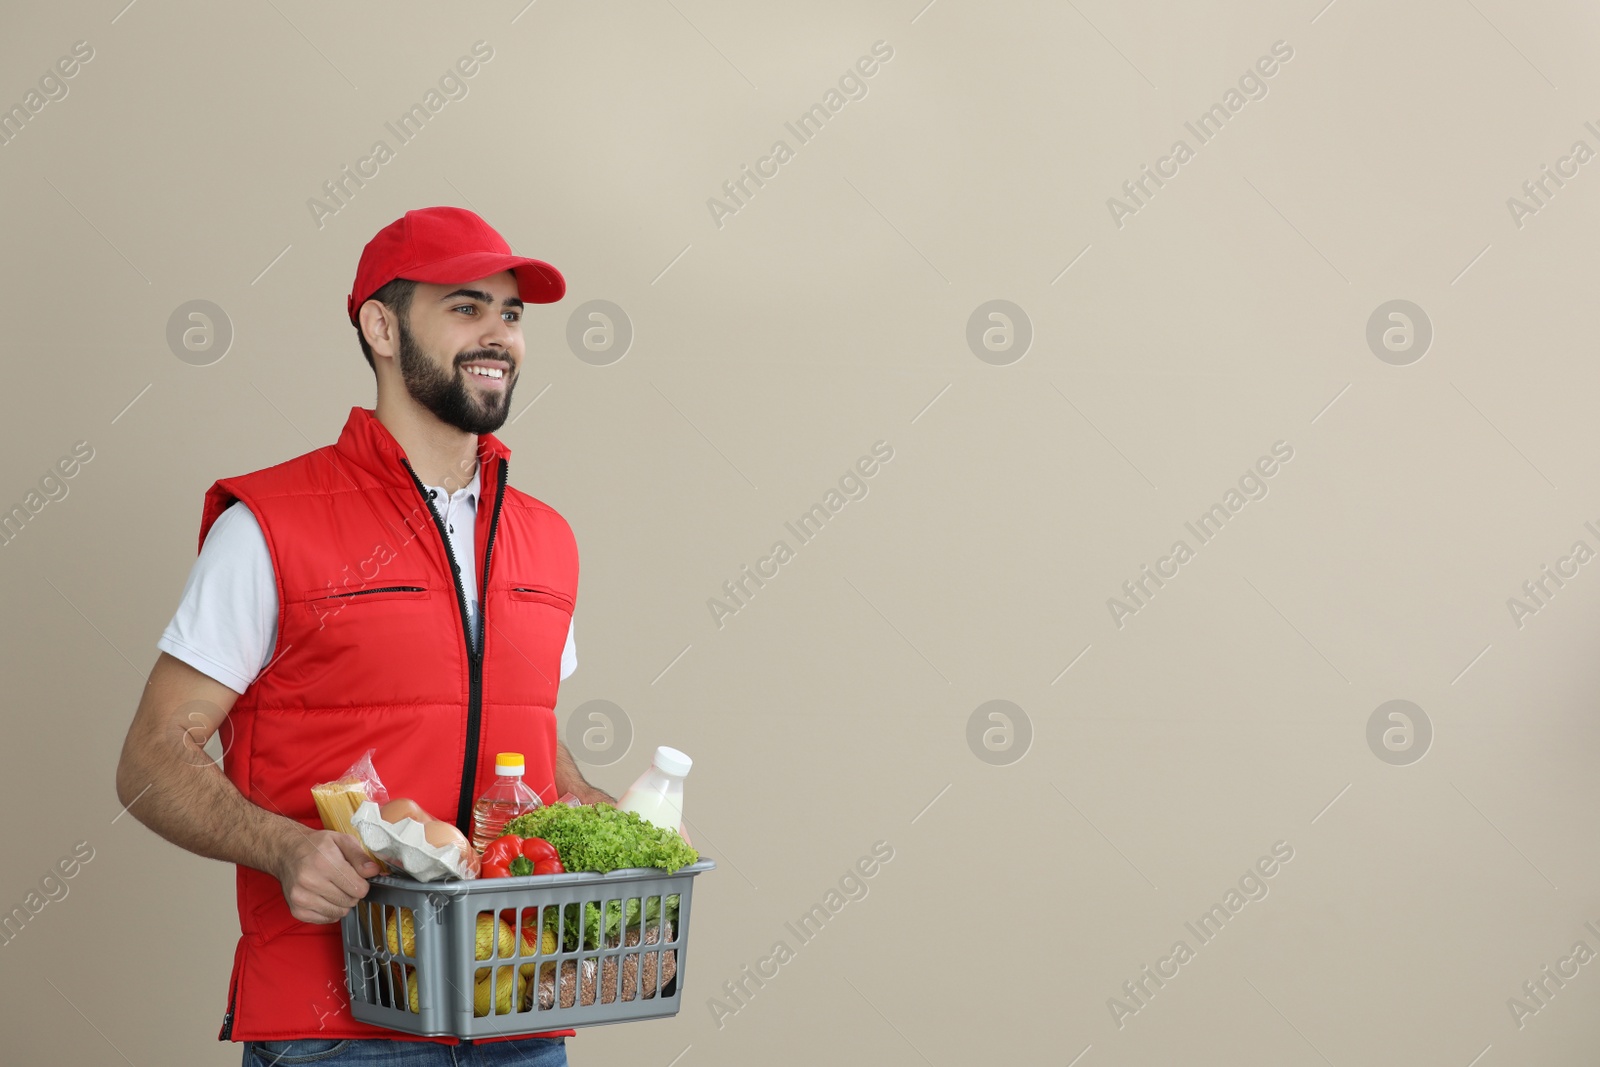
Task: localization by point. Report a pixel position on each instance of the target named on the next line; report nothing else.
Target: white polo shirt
(227, 622)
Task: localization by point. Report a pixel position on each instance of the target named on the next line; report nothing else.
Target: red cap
(444, 245)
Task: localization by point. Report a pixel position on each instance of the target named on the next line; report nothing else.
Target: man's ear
(378, 325)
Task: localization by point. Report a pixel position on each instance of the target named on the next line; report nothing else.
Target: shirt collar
(468, 492)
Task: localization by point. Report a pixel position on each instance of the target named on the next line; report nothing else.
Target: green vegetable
(614, 924)
(520, 866)
(598, 837)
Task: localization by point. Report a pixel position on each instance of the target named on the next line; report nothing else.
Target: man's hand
(591, 795)
(324, 873)
(570, 780)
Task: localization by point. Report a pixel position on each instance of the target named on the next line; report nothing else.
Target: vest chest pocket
(541, 595)
(325, 608)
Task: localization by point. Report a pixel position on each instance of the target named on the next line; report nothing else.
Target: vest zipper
(227, 1019)
(469, 768)
(469, 773)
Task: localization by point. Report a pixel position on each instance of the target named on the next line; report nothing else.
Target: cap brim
(537, 281)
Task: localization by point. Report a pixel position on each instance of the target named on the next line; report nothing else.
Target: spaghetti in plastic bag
(338, 800)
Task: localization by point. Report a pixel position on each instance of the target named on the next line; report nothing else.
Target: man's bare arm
(169, 783)
(570, 780)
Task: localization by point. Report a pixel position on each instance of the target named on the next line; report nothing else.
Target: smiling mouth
(493, 378)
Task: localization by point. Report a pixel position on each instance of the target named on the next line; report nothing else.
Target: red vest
(372, 652)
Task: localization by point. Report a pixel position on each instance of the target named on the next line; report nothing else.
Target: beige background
(831, 312)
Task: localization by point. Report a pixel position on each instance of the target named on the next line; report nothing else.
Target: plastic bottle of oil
(503, 801)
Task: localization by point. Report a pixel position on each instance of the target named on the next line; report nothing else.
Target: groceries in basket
(509, 855)
(599, 837)
(397, 833)
(503, 801)
(425, 848)
(657, 795)
(582, 990)
(337, 801)
(573, 928)
(495, 940)
(572, 914)
(403, 837)
(500, 988)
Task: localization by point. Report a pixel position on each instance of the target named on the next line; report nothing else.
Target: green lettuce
(598, 837)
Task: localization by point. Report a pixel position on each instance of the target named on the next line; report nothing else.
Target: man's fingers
(357, 855)
(329, 900)
(348, 867)
(312, 906)
(328, 877)
(327, 884)
(310, 916)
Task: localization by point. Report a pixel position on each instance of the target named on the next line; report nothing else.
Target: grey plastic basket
(432, 990)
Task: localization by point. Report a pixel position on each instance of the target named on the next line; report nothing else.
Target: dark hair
(396, 296)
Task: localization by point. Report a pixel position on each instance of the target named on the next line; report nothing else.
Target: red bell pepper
(537, 848)
(502, 849)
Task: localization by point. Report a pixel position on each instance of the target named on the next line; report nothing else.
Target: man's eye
(516, 316)
(468, 307)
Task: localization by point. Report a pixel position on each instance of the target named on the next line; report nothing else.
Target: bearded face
(466, 399)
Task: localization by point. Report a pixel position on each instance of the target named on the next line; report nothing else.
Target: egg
(403, 808)
(440, 833)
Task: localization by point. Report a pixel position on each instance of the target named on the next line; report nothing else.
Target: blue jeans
(361, 1052)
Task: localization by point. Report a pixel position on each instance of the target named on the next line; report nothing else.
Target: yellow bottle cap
(509, 763)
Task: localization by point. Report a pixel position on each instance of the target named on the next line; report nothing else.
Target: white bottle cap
(673, 762)
(509, 763)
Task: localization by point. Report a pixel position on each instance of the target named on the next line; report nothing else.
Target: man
(366, 596)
